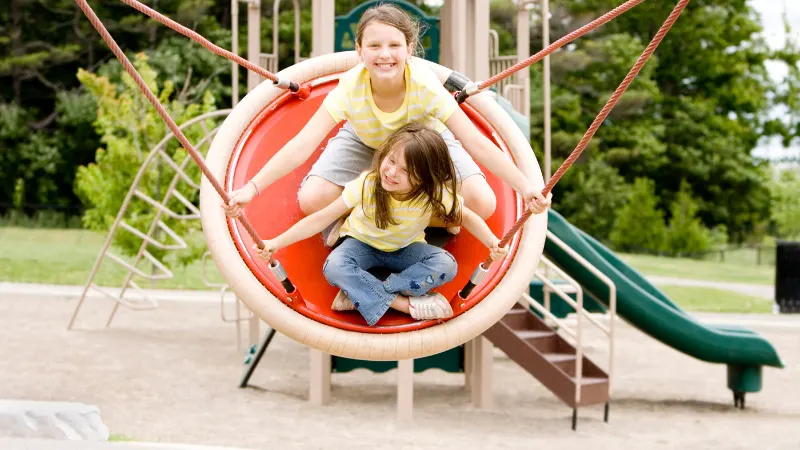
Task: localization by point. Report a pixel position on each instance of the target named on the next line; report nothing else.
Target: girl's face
(384, 51)
(394, 173)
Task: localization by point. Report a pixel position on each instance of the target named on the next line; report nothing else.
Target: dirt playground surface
(171, 375)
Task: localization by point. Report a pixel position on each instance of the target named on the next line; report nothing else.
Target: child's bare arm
(288, 158)
(306, 227)
(475, 225)
(486, 153)
(297, 150)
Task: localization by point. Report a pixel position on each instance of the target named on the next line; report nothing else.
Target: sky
(772, 12)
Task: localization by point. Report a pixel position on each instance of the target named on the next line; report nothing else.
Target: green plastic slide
(650, 310)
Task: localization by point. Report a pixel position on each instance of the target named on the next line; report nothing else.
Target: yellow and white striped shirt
(411, 216)
(426, 101)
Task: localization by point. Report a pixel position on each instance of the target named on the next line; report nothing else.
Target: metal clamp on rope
(285, 84)
(302, 92)
(478, 275)
(470, 89)
(280, 273)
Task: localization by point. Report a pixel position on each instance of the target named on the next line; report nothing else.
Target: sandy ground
(171, 375)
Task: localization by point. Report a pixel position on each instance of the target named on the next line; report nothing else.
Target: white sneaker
(430, 306)
(342, 302)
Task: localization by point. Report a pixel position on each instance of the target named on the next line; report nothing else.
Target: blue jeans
(416, 269)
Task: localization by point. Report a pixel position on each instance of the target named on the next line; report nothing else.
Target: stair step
(592, 380)
(549, 358)
(533, 334)
(560, 357)
(523, 320)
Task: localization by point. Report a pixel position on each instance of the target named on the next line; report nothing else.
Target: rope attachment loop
(302, 92)
(471, 88)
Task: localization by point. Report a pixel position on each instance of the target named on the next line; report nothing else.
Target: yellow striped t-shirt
(426, 101)
(411, 216)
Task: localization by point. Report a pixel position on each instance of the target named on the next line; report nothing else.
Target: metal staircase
(549, 349)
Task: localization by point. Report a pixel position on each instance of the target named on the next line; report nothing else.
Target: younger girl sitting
(412, 180)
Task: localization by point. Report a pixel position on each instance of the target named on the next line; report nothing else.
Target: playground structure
(529, 332)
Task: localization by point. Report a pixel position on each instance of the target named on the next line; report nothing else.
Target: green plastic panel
(450, 361)
(644, 306)
(744, 378)
(430, 36)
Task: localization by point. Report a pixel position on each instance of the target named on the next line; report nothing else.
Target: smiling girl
(386, 91)
(412, 182)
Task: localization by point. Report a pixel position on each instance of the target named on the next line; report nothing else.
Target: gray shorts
(346, 157)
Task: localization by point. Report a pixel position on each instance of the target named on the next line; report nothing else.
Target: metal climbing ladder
(149, 238)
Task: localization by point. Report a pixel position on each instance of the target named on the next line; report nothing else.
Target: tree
(694, 113)
(640, 224)
(685, 234)
(129, 127)
(596, 195)
(786, 207)
(44, 43)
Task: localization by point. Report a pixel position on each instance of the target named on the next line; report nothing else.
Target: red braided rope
(198, 159)
(596, 23)
(199, 39)
(676, 12)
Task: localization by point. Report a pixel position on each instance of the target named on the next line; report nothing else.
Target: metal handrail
(561, 293)
(546, 312)
(269, 61)
(498, 63)
(612, 299)
(223, 289)
(578, 335)
(515, 94)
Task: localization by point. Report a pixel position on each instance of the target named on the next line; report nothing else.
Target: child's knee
(479, 197)
(445, 268)
(309, 202)
(317, 193)
(335, 267)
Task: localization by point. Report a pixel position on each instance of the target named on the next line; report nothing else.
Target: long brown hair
(430, 171)
(393, 16)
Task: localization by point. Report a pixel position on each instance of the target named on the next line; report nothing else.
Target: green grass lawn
(701, 299)
(114, 437)
(734, 272)
(67, 256)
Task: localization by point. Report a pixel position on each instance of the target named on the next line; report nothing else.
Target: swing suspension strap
(587, 137)
(301, 91)
(473, 87)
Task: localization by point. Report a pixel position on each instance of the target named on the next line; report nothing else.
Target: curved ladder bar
(134, 192)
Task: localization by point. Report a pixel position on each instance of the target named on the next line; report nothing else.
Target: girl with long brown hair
(412, 181)
(388, 89)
